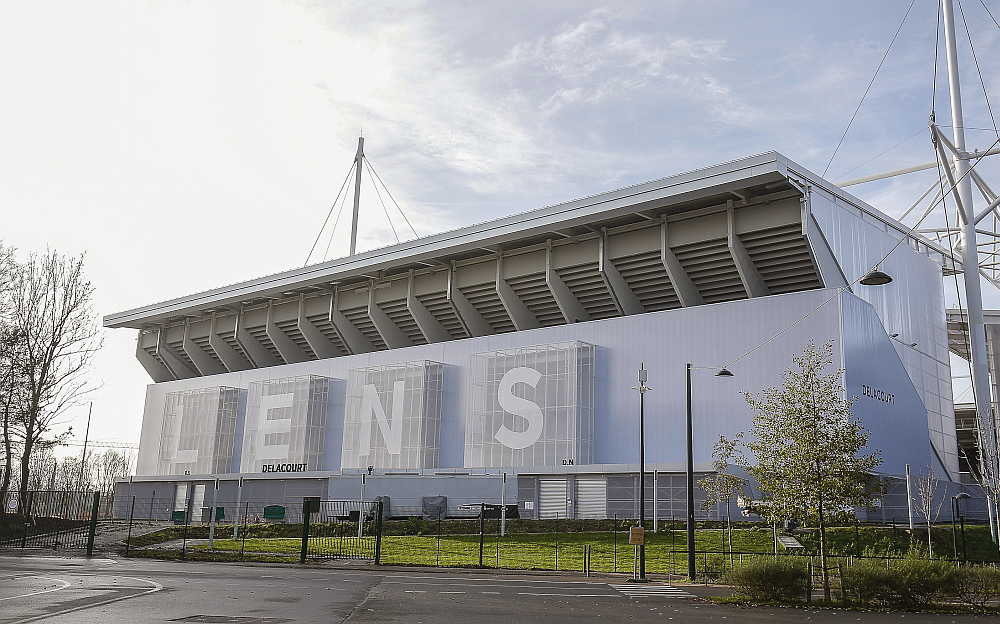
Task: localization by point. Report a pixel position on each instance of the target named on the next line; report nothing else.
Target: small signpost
(637, 538)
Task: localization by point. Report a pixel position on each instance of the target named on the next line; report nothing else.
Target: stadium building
(498, 360)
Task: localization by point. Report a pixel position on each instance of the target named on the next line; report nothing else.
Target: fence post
(557, 542)
(93, 523)
(305, 531)
(187, 519)
(809, 583)
(243, 544)
(482, 530)
(378, 531)
(128, 540)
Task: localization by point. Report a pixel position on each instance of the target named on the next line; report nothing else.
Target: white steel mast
(970, 249)
(359, 160)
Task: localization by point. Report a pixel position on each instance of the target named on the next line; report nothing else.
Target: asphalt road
(63, 590)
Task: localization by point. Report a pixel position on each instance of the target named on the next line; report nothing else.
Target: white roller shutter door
(591, 497)
(552, 497)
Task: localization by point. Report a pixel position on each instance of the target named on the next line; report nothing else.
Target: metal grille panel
(551, 497)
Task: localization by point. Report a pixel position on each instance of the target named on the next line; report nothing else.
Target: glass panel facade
(198, 431)
(393, 416)
(531, 406)
(285, 423)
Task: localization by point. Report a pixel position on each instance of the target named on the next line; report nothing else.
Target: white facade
(513, 346)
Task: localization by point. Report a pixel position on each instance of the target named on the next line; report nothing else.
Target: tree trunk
(25, 469)
(930, 545)
(8, 456)
(822, 554)
(729, 522)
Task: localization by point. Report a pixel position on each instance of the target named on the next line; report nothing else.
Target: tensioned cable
(387, 192)
(384, 209)
(343, 202)
(867, 90)
(880, 155)
(843, 288)
(325, 221)
(991, 14)
(975, 58)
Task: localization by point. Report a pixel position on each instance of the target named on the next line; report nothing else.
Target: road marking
(648, 590)
(506, 585)
(451, 592)
(486, 592)
(414, 591)
(156, 587)
(569, 595)
(491, 580)
(44, 591)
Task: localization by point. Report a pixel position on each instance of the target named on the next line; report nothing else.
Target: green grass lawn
(666, 551)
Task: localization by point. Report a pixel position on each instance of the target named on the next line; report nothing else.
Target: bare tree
(927, 508)
(110, 467)
(53, 315)
(68, 476)
(43, 469)
(988, 475)
(10, 359)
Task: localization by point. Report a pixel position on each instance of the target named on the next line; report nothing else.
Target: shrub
(770, 579)
(924, 581)
(412, 526)
(870, 582)
(904, 582)
(977, 585)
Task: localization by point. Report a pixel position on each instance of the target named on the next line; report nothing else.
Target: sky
(183, 146)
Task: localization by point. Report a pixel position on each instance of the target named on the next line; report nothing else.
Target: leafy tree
(723, 485)
(808, 448)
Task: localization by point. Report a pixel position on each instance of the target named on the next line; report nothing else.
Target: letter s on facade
(519, 407)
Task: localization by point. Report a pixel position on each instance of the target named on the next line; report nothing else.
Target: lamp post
(643, 389)
(954, 512)
(722, 372)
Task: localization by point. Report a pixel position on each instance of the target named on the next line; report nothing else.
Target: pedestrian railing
(50, 520)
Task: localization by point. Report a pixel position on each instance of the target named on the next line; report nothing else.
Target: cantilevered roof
(736, 180)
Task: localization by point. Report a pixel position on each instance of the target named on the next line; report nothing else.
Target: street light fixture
(643, 389)
(954, 537)
(722, 372)
(876, 278)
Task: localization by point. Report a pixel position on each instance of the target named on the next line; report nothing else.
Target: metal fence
(51, 520)
(341, 530)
